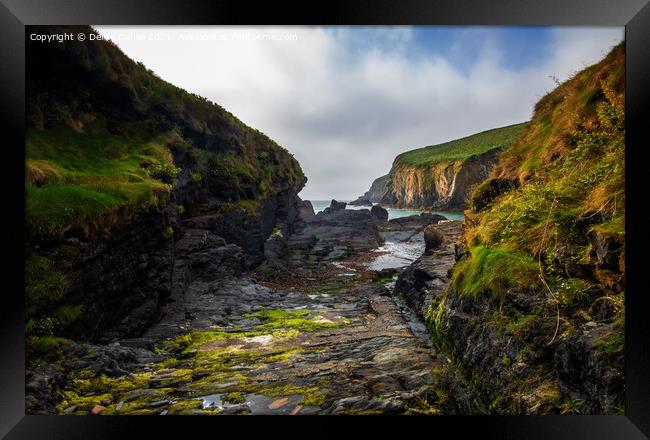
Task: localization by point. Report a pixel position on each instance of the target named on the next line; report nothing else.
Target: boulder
(416, 221)
(332, 235)
(305, 209)
(433, 238)
(334, 206)
(379, 213)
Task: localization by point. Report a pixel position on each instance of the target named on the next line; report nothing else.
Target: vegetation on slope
(549, 226)
(461, 149)
(107, 137)
(576, 190)
(107, 141)
(75, 180)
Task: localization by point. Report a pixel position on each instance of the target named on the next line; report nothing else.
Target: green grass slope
(75, 180)
(107, 138)
(549, 225)
(570, 163)
(461, 149)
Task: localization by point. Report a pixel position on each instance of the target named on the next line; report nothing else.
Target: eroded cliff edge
(532, 313)
(442, 185)
(441, 176)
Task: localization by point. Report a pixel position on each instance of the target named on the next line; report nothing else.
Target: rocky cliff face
(121, 281)
(374, 194)
(112, 261)
(443, 185)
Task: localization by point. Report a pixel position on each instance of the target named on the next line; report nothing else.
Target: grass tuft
(494, 270)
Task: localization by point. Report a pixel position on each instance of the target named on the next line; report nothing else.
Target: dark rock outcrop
(489, 190)
(250, 230)
(433, 238)
(416, 221)
(586, 370)
(305, 209)
(120, 281)
(334, 206)
(379, 213)
(331, 235)
(605, 250)
(202, 255)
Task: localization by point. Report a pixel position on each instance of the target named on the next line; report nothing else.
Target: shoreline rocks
(334, 206)
(379, 213)
(332, 234)
(433, 238)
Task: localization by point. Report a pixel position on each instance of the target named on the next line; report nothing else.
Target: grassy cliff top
(463, 148)
(107, 138)
(77, 180)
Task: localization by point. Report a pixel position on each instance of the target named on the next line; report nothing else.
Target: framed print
(366, 209)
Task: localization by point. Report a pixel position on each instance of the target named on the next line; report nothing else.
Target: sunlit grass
(463, 148)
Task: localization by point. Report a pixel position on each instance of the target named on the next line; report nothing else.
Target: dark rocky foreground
(512, 356)
(312, 330)
(332, 322)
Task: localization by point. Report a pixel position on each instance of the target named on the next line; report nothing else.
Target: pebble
(159, 403)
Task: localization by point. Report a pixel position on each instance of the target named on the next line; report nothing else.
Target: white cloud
(345, 106)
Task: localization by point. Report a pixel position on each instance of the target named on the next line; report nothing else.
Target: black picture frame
(15, 14)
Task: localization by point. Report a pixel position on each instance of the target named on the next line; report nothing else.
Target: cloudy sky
(346, 100)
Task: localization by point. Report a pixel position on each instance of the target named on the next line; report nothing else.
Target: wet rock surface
(403, 241)
(428, 276)
(324, 337)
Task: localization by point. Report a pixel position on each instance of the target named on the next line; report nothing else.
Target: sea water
(320, 205)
